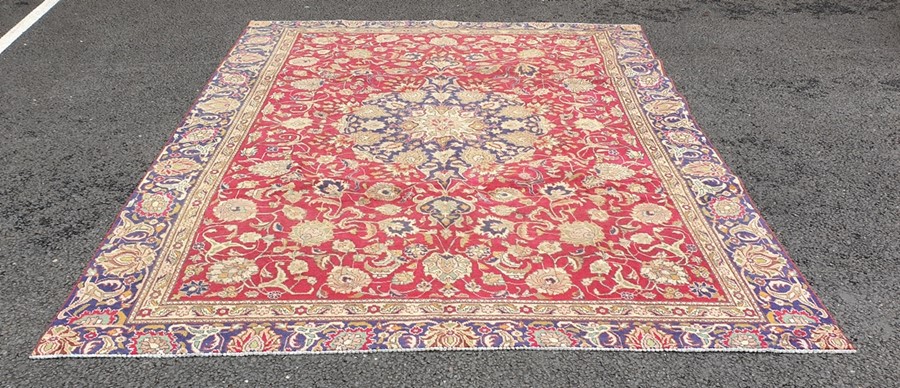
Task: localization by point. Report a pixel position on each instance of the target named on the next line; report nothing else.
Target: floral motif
(382, 191)
(447, 268)
(176, 166)
(744, 339)
(703, 168)
(589, 125)
(126, 260)
(492, 227)
(330, 188)
(350, 339)
(759, 260)
(96, 318)
(272, 168)
(613, 172)
(346, 280)
(664, 272)
(219, 104)
(310, 233)
(152, 342)
(729, 208)
(399, 227)
(294, 213)
(58, 340)
(230, 271)
(794, 317)
(154, 205)
(445, 210)
(505, 194)
(650, 213)
(450, 335)
(235, 210)
(550, 281)
(195, 288)
(255, 339)
(550, 338)
(580, 233)
(649, 337)
(829, 337)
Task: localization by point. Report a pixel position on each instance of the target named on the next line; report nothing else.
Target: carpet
(345, 186)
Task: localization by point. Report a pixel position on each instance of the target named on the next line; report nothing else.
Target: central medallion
(442, 124)
(443, 129)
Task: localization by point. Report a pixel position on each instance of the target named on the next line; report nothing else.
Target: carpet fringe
(377, 351)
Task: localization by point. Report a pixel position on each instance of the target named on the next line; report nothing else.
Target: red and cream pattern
(354, 186)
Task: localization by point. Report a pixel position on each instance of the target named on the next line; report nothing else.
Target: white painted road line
(25, 24)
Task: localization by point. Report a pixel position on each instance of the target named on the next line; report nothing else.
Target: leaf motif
(522, 231)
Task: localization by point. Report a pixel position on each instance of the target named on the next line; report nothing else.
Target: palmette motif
(353, 186)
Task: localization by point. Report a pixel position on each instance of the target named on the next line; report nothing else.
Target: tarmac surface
(801, 99)
(11, 11)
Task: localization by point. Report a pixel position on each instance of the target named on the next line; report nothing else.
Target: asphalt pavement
(11, 11)
(802, 99)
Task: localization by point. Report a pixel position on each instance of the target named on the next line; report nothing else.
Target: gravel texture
(801, 99)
